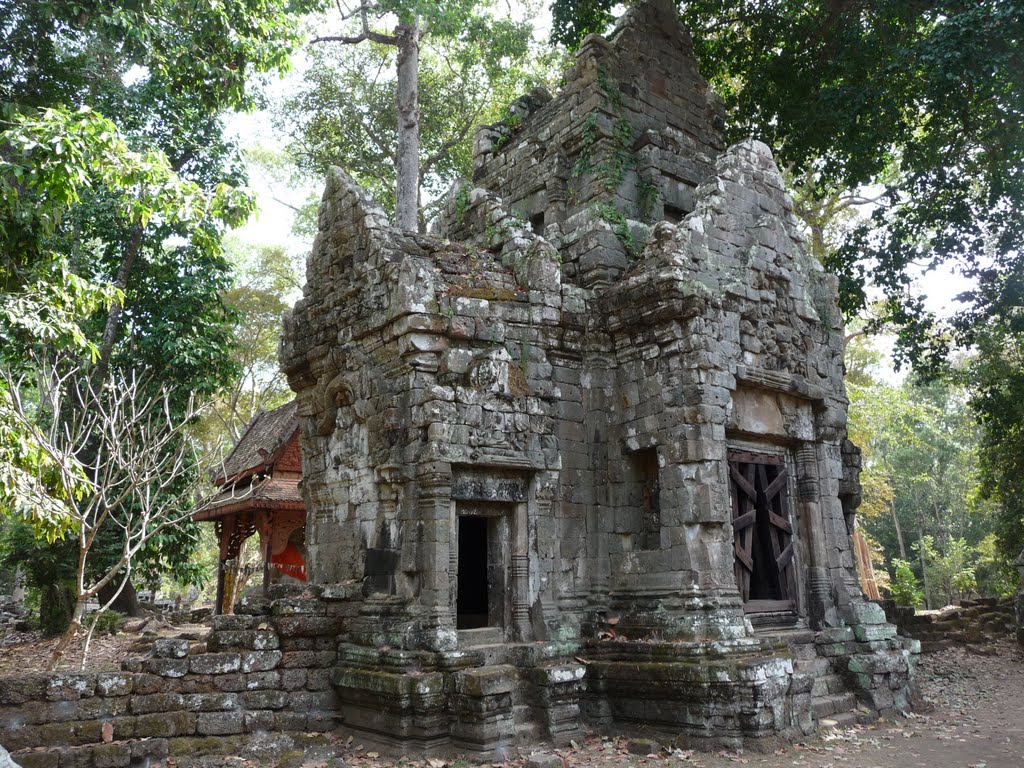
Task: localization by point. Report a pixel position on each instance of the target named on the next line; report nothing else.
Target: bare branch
(365, 34)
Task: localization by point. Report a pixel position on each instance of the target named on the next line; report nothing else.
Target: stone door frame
(791, 607)
(481, 500)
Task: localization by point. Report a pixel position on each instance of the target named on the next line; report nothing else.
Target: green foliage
(265, 280)
(920, 99)
(951, 572)
(922, 479)
(619, 224)
(462, 203)
(49, 570)
(109, 623)
(473, 63)
(996, 374)
(116, 188)
(904, 588)
(208, 52)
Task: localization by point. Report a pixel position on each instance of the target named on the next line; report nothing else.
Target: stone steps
(831, 704)
(975, 622)
(827, 685)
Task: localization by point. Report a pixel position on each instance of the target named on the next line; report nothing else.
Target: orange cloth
(290, 562)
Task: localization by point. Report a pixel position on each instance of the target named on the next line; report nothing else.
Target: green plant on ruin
(616, 219)
(462, 204)
(588, 131)
(649, 195)
(524, 359)
(611, 172)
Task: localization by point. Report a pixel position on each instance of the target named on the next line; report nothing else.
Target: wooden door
(762, 531)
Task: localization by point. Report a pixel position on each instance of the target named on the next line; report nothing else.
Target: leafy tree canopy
(117, 187)
(923, 98)
(472, 62)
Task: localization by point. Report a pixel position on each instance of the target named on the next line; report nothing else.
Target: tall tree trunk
(127, 602)
(899, 531)
(408, 163)
(69, 634)
(924, 567)
(113, 325)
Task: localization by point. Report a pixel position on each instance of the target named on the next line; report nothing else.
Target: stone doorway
(763, 532)
(483, 567)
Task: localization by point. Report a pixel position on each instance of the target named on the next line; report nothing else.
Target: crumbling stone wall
(561, 373)
(260, 680)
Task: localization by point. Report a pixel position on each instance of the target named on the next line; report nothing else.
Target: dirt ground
(22, 652)
(976, 721)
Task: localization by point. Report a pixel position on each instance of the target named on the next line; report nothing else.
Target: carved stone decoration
(561, 369)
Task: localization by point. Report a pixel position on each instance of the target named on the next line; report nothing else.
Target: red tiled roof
(269, 493)
(262, 440)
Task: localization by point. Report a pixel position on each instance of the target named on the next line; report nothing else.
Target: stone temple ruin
(579, 457)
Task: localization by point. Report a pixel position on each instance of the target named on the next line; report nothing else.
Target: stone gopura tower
(580, 458)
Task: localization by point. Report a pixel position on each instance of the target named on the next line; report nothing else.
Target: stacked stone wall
(973, 622)
(261, 679)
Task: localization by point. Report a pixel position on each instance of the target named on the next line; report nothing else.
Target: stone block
(486, 681)
(233, 622)
(156, 702)
(17, 689)
(114, 684)
(293, 679)
(148, 750)
(872, 632)
(298, 607)
(867, 613)
(146, 683)
(165, 667)
(215, 663)
(250, 639)
(220, 723)
(261, 681)
(229, 682)
(260, 661)
(834, 635)
(114, 755)
(306, 626)
(253, 605)
(211, 702)
(170, 648)
(165, 725)
(70, 687)
(264, 721)
(47, 759)
(265, 699)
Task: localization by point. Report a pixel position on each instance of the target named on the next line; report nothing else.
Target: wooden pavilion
(259, 493)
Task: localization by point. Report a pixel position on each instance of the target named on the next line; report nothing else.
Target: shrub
(904, 587)
(109, 623)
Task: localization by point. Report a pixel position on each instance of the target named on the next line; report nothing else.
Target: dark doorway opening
(537, 223)
(471, 608)
(763, 532)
